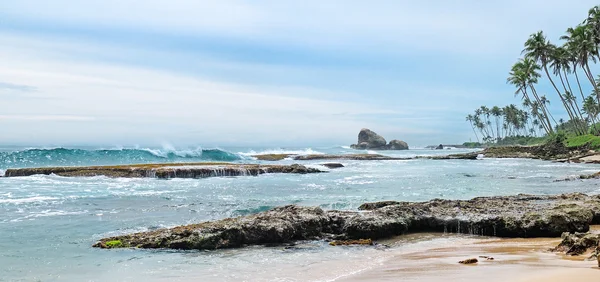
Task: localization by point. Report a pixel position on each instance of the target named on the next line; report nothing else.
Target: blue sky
(260, 72)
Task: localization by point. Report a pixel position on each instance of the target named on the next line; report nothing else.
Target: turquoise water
(49, 223)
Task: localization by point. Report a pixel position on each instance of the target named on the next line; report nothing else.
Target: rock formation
(166, 171)
(502, 216)
(368, 139)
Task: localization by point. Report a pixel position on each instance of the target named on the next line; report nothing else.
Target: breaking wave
(74, 157)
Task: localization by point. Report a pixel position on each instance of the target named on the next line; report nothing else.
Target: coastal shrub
(578, 141)
(114, 244)
(472, 144)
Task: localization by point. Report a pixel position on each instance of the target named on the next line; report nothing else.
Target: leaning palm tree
(538, 48)
(593, 22)
(523, 75)
(470, 119)
(582, 46)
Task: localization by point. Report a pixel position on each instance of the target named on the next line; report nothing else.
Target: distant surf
(74, 157)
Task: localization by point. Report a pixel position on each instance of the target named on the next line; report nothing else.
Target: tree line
(566, 67)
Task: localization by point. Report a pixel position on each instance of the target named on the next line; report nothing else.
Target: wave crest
(75, 157)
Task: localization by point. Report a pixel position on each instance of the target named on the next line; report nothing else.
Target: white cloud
(464, 27)
(129, 104)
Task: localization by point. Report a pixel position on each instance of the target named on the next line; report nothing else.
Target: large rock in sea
(397, 145)
(368, 139)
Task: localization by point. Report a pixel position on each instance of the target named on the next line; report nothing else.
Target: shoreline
(521, 260)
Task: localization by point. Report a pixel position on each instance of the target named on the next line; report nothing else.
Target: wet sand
(521, 260)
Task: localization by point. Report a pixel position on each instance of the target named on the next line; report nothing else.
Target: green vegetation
(567, 69)
(592, 141)
(114, 244)
(472, 145)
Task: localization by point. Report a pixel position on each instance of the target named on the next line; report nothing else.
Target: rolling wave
(76, 157)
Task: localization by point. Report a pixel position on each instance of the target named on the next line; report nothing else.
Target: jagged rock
(439, 147)
(577, 243)
(376, 205)
(504, 216)
(166, 171)
(397, 145)
(469, 261)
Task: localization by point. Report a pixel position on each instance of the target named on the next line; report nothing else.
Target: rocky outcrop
(397, 145)
(576, 244)
(166, 171)
(356, 157)
(439, 147)
(272, 157)
(368, 139)
(511, 216)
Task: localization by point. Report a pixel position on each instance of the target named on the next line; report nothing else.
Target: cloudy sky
(232, 72)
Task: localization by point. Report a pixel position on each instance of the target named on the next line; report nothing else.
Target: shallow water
(49, 223)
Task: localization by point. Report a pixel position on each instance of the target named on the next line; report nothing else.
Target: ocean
(49, 223)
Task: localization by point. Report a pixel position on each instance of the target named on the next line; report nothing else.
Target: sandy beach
(522, 260)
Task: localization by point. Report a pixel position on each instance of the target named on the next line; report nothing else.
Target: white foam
(308, 151)
(27, 200)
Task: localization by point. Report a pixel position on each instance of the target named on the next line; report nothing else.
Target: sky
(262, 72)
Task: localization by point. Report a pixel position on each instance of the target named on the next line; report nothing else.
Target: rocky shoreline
(165, 171)
(503, 216)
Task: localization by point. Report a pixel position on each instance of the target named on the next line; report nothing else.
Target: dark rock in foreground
(576, 244)
(368, 139)
(174, 170)
(511, 216)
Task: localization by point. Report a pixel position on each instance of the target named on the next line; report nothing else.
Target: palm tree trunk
(575, 119)
(543, 106)
(592, 118)
(591, 78)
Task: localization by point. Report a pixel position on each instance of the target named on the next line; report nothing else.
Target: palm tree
(581, 44)
(593, 22)
(523, 75)
(470, 120)
(538, 48)
(496, 112)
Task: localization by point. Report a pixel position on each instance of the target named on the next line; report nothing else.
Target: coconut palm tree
(581, 44)
(470, 120)
(538, 48)
(593, 22)
(524, 75)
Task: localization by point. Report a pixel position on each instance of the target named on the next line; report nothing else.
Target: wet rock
(469, 261)
(332, 165)
(357, 157)
(166, 171)
(376, 205)
(577, 243)
(439, 147)
(504, 216)
(272, 157)
(351, 242)
(466, 156)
